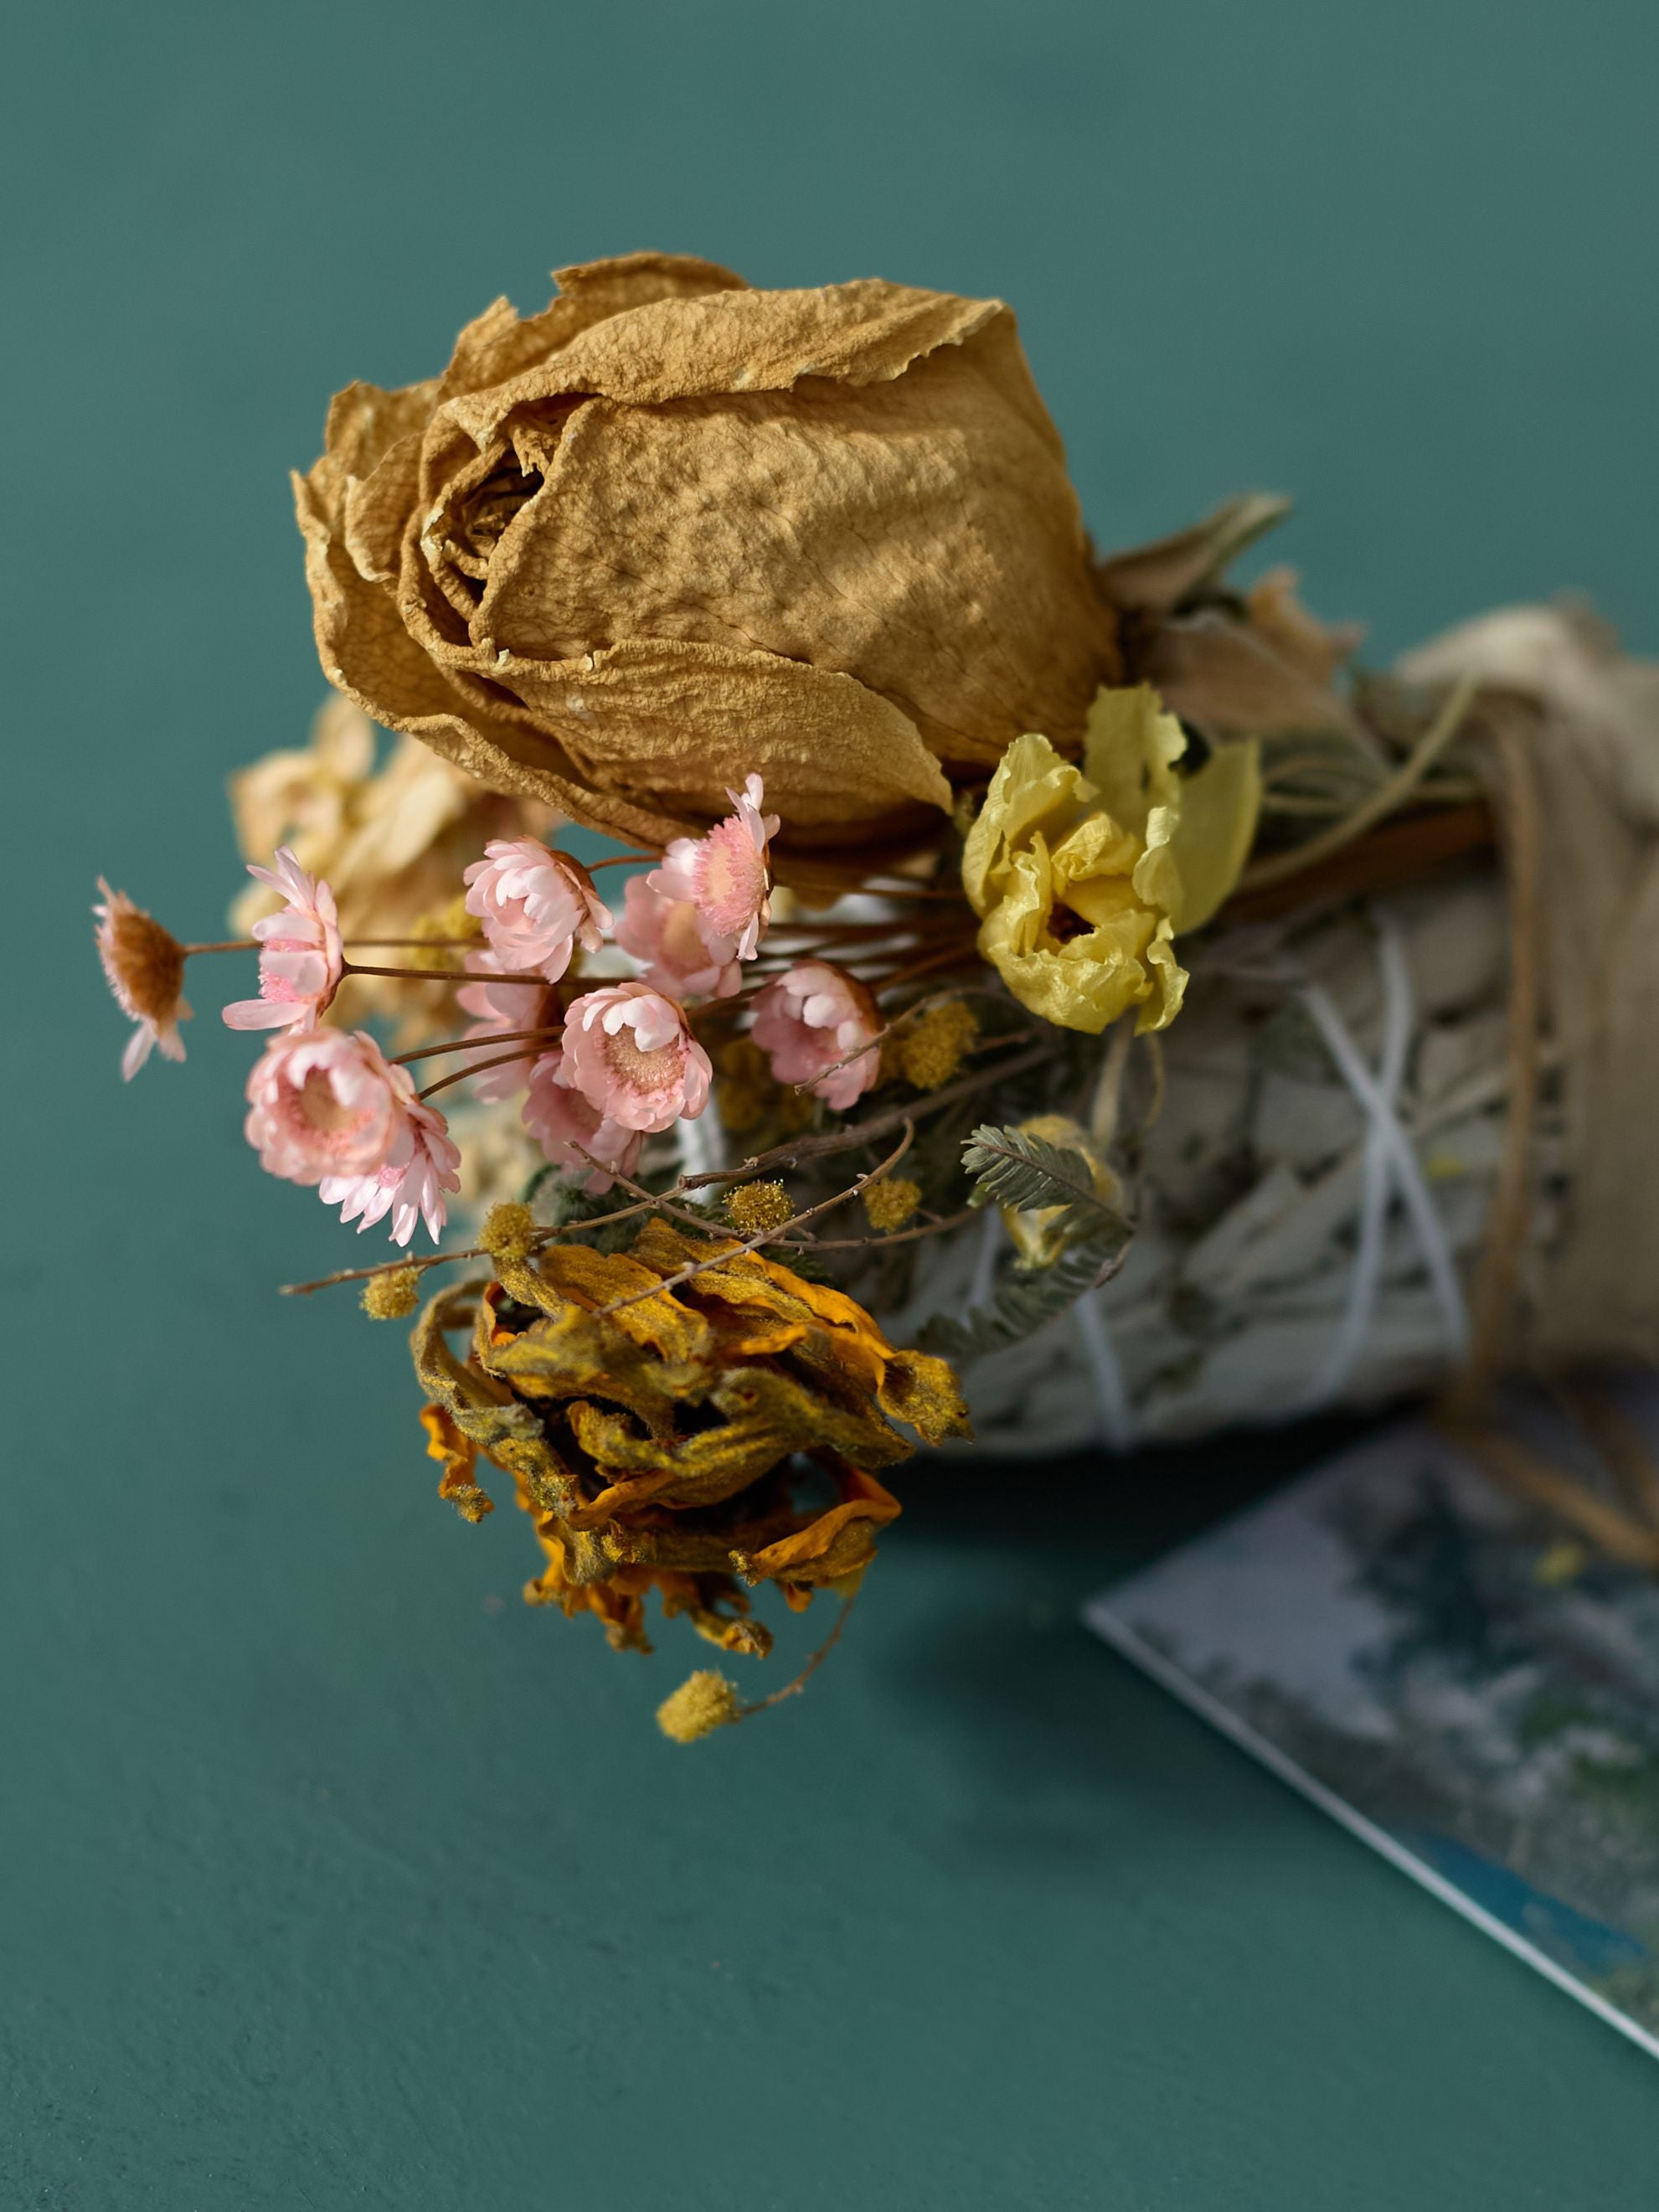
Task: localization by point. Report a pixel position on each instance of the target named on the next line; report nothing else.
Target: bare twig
(733, 1251)
(853, 1133)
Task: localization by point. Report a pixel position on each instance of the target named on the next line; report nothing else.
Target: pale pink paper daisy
(813, 1016)
(663, 936)
(505, 1010)
(536, 906)
(301, 957)
(412, 1186)
(724, 876)
(574, 1134)
(630, 1052)
(326, 1102)
(144, 966)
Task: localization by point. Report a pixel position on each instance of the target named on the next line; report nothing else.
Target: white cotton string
(1117, 1419)
(1389, 1164)
(985, 1264)
(1330, 1377)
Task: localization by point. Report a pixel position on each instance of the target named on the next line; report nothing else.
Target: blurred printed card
(1450, 1674)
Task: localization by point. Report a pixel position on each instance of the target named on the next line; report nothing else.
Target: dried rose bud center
(149, 962)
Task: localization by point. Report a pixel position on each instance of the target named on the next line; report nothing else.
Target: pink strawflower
(810, 1017)
(301, 958)
(144, 966)
(505, 1010)
(724, 876)
(663, 935)
(561, 1119)
(326, 1107)
(536, 905)
(630, 1052)
(425, 1163)
(325, 1102)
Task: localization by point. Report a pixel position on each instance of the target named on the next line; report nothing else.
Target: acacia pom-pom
(704, 1702)
(508, 1231)
(755, 1207)
(931, 1053)
(890, 1203)
(392, 1295)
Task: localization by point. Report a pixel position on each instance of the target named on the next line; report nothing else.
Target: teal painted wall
(333, 1876)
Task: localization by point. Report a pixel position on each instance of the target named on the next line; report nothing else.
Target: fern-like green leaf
(1025, 1299)
(1012, 1167)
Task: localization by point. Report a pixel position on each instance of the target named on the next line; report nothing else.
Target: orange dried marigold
(718, 1433)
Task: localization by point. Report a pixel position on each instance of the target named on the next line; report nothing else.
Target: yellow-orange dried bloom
(392, 1295)
(890, 1203)
(704, 1702)
(755, 1208)
(931, 1050)
(726, 1426)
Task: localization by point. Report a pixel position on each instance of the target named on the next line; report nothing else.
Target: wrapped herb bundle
(1070, 991)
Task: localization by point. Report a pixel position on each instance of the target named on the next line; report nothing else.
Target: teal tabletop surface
(333, 1876)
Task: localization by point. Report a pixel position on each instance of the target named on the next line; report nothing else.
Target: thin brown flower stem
(474, 1044)
(878, 1238)
(624, 860)
(767, 1236)
(444, 974)
(475, 1067)
(1390, 794)
(793, 1689)
(665, 1204)
(427, 943)
(224, 945)
(961, 955)
(385, 1267)
(861, 1133)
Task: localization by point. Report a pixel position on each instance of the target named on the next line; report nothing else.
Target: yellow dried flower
(931, 1050)
(508, 1231)
(392, 1295)
(890, 1203)
(755, 1208)
(1081, 878)
(704, 1702)
(655, 1441)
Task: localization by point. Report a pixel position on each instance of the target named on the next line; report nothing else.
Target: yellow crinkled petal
(1219, 805)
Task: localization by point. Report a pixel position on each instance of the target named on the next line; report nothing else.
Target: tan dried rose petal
(672, 531)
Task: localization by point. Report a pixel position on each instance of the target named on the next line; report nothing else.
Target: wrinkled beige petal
(500, 345)
(847, 529)
(863, 332)
(675, 726)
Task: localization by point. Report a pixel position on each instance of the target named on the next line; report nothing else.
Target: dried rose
(671, 531)
(655, 1442)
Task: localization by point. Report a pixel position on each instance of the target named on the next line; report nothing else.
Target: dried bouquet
(1069, 987)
